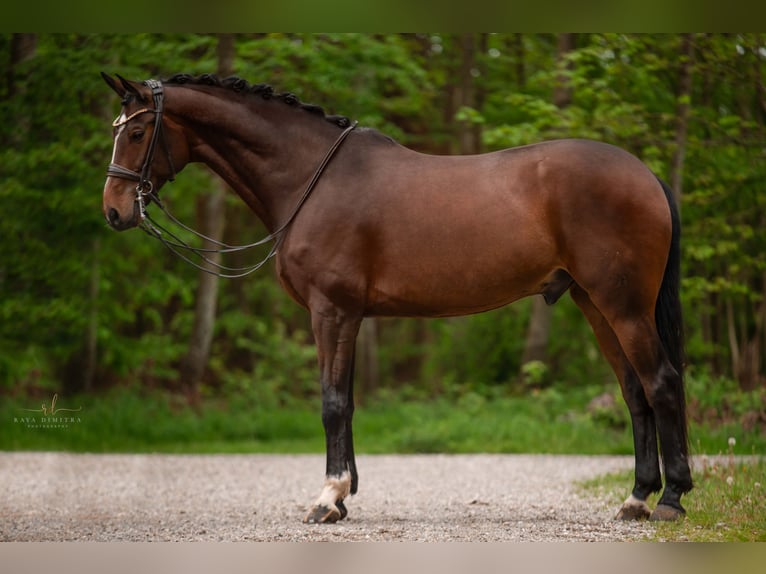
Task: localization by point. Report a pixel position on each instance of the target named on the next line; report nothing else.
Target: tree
(723, 209)
(211, 223)
(81, 306)
(538, 332)
(22, 48)
(682, 114)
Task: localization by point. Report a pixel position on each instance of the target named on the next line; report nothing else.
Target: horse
(363, 227)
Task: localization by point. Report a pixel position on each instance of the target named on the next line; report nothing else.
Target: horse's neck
(266, 154)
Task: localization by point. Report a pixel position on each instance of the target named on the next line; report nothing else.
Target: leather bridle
(144, 187)
(145, 193)
(184, 251)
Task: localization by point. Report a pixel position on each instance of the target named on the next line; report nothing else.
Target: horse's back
(449, 235)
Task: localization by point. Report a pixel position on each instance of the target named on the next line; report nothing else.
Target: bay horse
(363, 226)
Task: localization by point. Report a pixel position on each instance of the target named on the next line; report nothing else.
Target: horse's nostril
(113, 216)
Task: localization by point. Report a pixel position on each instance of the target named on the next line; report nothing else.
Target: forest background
(159, 353)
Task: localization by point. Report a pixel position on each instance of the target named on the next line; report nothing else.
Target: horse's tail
(668, 314)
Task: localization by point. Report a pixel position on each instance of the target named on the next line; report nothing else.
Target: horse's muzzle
(120, 223)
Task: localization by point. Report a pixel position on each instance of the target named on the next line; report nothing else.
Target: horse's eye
(137, 135)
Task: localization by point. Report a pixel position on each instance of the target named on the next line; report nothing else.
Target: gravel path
(67, 497)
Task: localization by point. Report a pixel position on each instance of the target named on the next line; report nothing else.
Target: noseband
(144, 187)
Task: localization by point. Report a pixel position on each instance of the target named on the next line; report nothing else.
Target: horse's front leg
(335, 333)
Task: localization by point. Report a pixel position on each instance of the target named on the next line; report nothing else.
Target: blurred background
(112, 324)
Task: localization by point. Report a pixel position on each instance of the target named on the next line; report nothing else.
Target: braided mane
(265, 91)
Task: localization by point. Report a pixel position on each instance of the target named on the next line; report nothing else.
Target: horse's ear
(119, 90)
(132, 88)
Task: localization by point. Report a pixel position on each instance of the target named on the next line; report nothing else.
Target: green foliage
(480, 349)
(534, 373)
(245, 419)
(374, 79)
(726, 411)
(245, 416)
(279, 368)
(129, 420)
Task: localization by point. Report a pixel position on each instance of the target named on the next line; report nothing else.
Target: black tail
(668, 314)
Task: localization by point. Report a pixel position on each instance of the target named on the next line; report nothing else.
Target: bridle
(145, 193)
(144, 188)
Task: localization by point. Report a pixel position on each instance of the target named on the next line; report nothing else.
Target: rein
(178, 246)
(145, 191)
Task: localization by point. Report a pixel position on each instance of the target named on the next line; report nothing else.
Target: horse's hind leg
(663, 390)
(647, 470)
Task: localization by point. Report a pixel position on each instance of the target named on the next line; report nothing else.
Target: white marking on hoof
(633, 509)
(335, 488)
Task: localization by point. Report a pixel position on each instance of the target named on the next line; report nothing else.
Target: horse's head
(148, 151)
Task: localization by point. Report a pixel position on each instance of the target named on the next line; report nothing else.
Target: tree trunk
(91, 334)
(367, 364)
(682, 115)
(211, 222)
(23, 47)
(731, 330)
(562, 91)
(717, 313)
(466, 93)
(538, 331)
(762, 328)
(760, 89)
(750, 314)
(519, 64)
(761, 125)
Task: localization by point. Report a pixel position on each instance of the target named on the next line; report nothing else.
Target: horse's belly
(458, 270)
(431, 293)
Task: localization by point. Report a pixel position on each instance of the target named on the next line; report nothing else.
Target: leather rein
(145, 193)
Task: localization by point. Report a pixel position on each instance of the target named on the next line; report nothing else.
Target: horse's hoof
(324, 515)
(633, 513)
(342, 509)
(665, 513)
(634, 509)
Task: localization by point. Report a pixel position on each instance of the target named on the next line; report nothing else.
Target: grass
(545, 422)
(727, 503)
(128, 420)
(131, 421)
